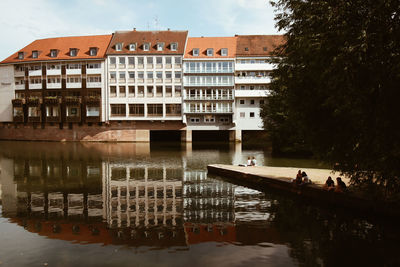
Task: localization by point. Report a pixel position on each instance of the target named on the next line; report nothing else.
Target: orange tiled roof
(258, 45)
(217, 43)
(63, 45)
(153, 37)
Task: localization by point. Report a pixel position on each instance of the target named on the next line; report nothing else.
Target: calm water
(139, 205)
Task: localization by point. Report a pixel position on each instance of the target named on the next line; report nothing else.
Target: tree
(337, 85)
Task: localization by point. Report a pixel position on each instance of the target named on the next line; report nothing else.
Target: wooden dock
(277, 179)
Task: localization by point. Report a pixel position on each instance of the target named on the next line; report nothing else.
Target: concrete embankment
(275, 178)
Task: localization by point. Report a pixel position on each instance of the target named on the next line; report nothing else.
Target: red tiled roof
(258, 45)
(63, 45)
(152, 37)
(217, 43)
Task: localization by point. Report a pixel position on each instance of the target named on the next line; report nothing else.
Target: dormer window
(93, 51)
(224, 52)
(53, 52)
(174, 46)
(35, 54)
(118, 47)
(265, 48)
(132, 47)
(210, 52)
(246, 49)
(160, 46)
(20, 55)
(73, 52)
(146, 47)
(196, 52)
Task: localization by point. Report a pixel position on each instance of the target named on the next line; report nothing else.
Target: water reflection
(150, 197)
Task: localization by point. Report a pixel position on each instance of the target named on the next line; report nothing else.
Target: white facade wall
(7, 91)
(133, 79)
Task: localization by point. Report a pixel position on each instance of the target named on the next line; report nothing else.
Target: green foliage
(337, 85)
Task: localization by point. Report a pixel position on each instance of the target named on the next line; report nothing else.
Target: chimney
(134, 29)
(168, 29)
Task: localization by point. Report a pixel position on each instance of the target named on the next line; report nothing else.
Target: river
(124, 204)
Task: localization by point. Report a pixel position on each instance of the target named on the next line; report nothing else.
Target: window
(74, 79)
(94, 79)
(224, 52)
(173, 109)
(53, 67)
(131, 75)
(159, 74)
(242, 87)
(92, 111)
(146, 47)
(122, 91)
(122, 75)
(149, 60)
(174, 46)
(73, 52)
(118, 109)
(178, 60)
(132, 47)
(35, 54)
(113, 75)
(53, 53)
(121, 60)
(210, 52)
(113, 91)
(154, 109)
(224, 119)
(20, 55)
(246, 49)
(252, 102)
(75, 66)
(140, 60)
(242, 114)
(195, 52)
(242, 102)
(177, 75)
(73, 112)
(168, 75)
(209, 119)
(118, 47)
(140, 74)
(251, 87)
(131, 61)
(261, 102)
(93, 66)
(160, 46)
(159, 60)
(168, 60)
(251, 114)
(149, 75)
(93, 51)
(136, 110)
(113, 60)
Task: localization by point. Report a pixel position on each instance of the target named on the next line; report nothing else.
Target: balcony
(53, 119)
(93, 71)
(33, 101)
(73, 100)
(251, 93)
(206, 84)
(35, 72)
(254, 66)
(73, 118)
(92, 100)
(193, 97)
(252, 80)
(93, 84)
(18, 118)
(34, 119)
(35, 86)
(53, 85)
(20, 87)
(18, 102)
(53, 72)
(52, 100)
(92, 118)
(74, 85)
(74, 71)
(210, 111)
(208, 70)
(19, 73)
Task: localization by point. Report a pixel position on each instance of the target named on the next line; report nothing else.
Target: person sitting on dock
(253, 161)
(341, 186)
(299, 178)
(329, 184)
(249, 161)
(305, 178)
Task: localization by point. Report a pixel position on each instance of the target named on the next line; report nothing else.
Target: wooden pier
(277, 178)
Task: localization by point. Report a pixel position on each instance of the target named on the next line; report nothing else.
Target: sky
(23, 21)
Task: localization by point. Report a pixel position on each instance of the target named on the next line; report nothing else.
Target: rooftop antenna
(156, 23)
(148, 26)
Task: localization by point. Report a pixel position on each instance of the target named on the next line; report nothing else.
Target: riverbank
(281, 179)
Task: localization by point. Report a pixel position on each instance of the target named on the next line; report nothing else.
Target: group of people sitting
(330, 185)
(302, 178)
(251, 161)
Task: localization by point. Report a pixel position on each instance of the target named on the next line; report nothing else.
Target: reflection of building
(142, 195)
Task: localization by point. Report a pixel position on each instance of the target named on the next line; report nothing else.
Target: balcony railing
(93, 71)
(193, 97)
(35, 86)
(53, 72)
(74, 71)
(73, 100)
(20, 86)
(53, 85)
(35, 72)
(74, 85)
(252, 80)
(19, 73)
(34, 119)
(18, 118)
(93, 84)
(254, 66)
(33, 101)
(206, 84)
(220, 110)
(18, 102)
(51, 100)
(208, 70)
(92, 100)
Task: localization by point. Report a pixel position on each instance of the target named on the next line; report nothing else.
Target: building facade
(136, 82)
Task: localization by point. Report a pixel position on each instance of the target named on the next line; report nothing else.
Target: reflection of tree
(327, 237)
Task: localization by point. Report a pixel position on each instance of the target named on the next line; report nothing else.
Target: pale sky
(23, 21)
